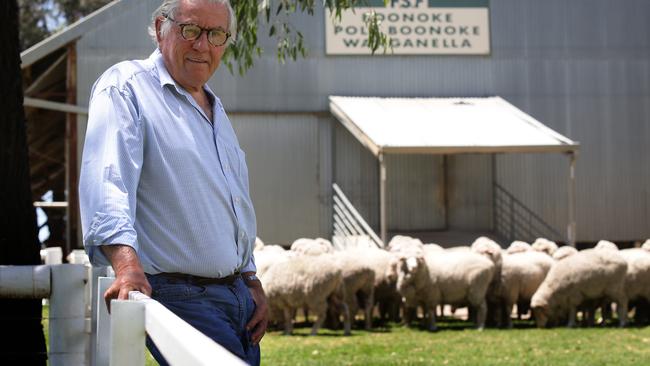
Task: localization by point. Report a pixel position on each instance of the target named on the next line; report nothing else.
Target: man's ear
(159, 21)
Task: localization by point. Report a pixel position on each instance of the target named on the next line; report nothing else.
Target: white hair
(170, 7)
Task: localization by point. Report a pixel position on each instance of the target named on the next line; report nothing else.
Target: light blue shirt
(159, 176)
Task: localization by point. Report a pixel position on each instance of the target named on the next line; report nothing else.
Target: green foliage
(275, 15)
(40, 18)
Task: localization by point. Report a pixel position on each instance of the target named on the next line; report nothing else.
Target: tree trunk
(20, 320)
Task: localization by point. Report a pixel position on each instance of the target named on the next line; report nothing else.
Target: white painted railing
(64, 285)
(131, 320)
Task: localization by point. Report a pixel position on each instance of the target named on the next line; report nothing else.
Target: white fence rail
(64, 285)
(350, 229)
(130, 321)
(81, 332)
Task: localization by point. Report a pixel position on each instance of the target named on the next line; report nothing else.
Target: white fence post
(103, 335)
(96, 272)
(127, 333)
(68, 335)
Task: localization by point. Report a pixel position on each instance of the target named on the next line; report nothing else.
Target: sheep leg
(621, 310)
(346, 319)
(432, 319)
(288, 321)
(321, 313)
(368, 310)
(481, 315)
(508, 312)
(572, 317)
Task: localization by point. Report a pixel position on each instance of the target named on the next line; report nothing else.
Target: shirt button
(226, 168)
(237, 200)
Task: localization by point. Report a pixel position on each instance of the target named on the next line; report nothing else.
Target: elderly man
(164, 185)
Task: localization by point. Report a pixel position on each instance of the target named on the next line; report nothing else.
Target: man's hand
(260, 318)
(129, 275)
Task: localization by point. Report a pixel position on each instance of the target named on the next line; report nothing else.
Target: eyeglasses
(192, 32)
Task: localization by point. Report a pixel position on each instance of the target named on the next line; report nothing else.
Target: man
(164, 185)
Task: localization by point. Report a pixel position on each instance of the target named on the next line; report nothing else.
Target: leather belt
(198, 280)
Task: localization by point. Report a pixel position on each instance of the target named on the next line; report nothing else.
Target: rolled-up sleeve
(110, 172)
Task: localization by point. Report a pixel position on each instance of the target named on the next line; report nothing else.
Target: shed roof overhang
(445, 126)
(449, 126)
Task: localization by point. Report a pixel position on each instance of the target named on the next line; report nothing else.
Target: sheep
(458, 277)
(586, 275)
(521, 275)
(414, 284)
(384, 265)
(312, 246)
(308, 281)
(259, 244)
(518, 247)
(563, 252)
(433, 247)
(359, 282)
(490, 249)
(544, 245)
(400, 243)
(607, 245)
(637, 278)
(268, 255)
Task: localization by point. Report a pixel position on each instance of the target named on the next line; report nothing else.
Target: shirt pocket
(236, 160)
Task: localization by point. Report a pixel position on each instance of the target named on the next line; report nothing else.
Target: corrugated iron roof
(445, 126)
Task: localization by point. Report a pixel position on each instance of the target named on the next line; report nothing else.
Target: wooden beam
(72, 176)
(55, 106)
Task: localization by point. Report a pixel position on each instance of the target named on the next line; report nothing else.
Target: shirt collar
(163, 74)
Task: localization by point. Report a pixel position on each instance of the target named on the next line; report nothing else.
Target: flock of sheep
(409, 277)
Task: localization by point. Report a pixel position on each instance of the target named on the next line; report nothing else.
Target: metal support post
(571, 229)
(382, 199)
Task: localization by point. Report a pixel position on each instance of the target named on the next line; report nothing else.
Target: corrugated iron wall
(582, 67)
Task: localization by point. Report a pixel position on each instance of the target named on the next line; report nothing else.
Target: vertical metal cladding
(581, 67)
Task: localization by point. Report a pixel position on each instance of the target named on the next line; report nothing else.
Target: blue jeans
(219, 311)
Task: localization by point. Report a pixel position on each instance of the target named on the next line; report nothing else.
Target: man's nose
(201, 43)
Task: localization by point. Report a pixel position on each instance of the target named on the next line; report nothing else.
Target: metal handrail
(516, 221)
(348, 222)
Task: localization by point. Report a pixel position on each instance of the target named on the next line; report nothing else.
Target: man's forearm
(123, 258)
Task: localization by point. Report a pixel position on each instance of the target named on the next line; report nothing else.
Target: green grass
(459, 344)
(455, 344)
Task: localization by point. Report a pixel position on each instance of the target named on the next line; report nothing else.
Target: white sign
(415, 27)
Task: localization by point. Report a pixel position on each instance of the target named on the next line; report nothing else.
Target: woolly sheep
(359, 282)
(384, 265)
(458, 277)
(563, 252)
(544, 245)
(269, 255)
(401, 243)
(259, 244)
(607, 245)
(316, 246)
(587, 275)
(521, 275)
(637, 278)
(518, 247)
(305, 281)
